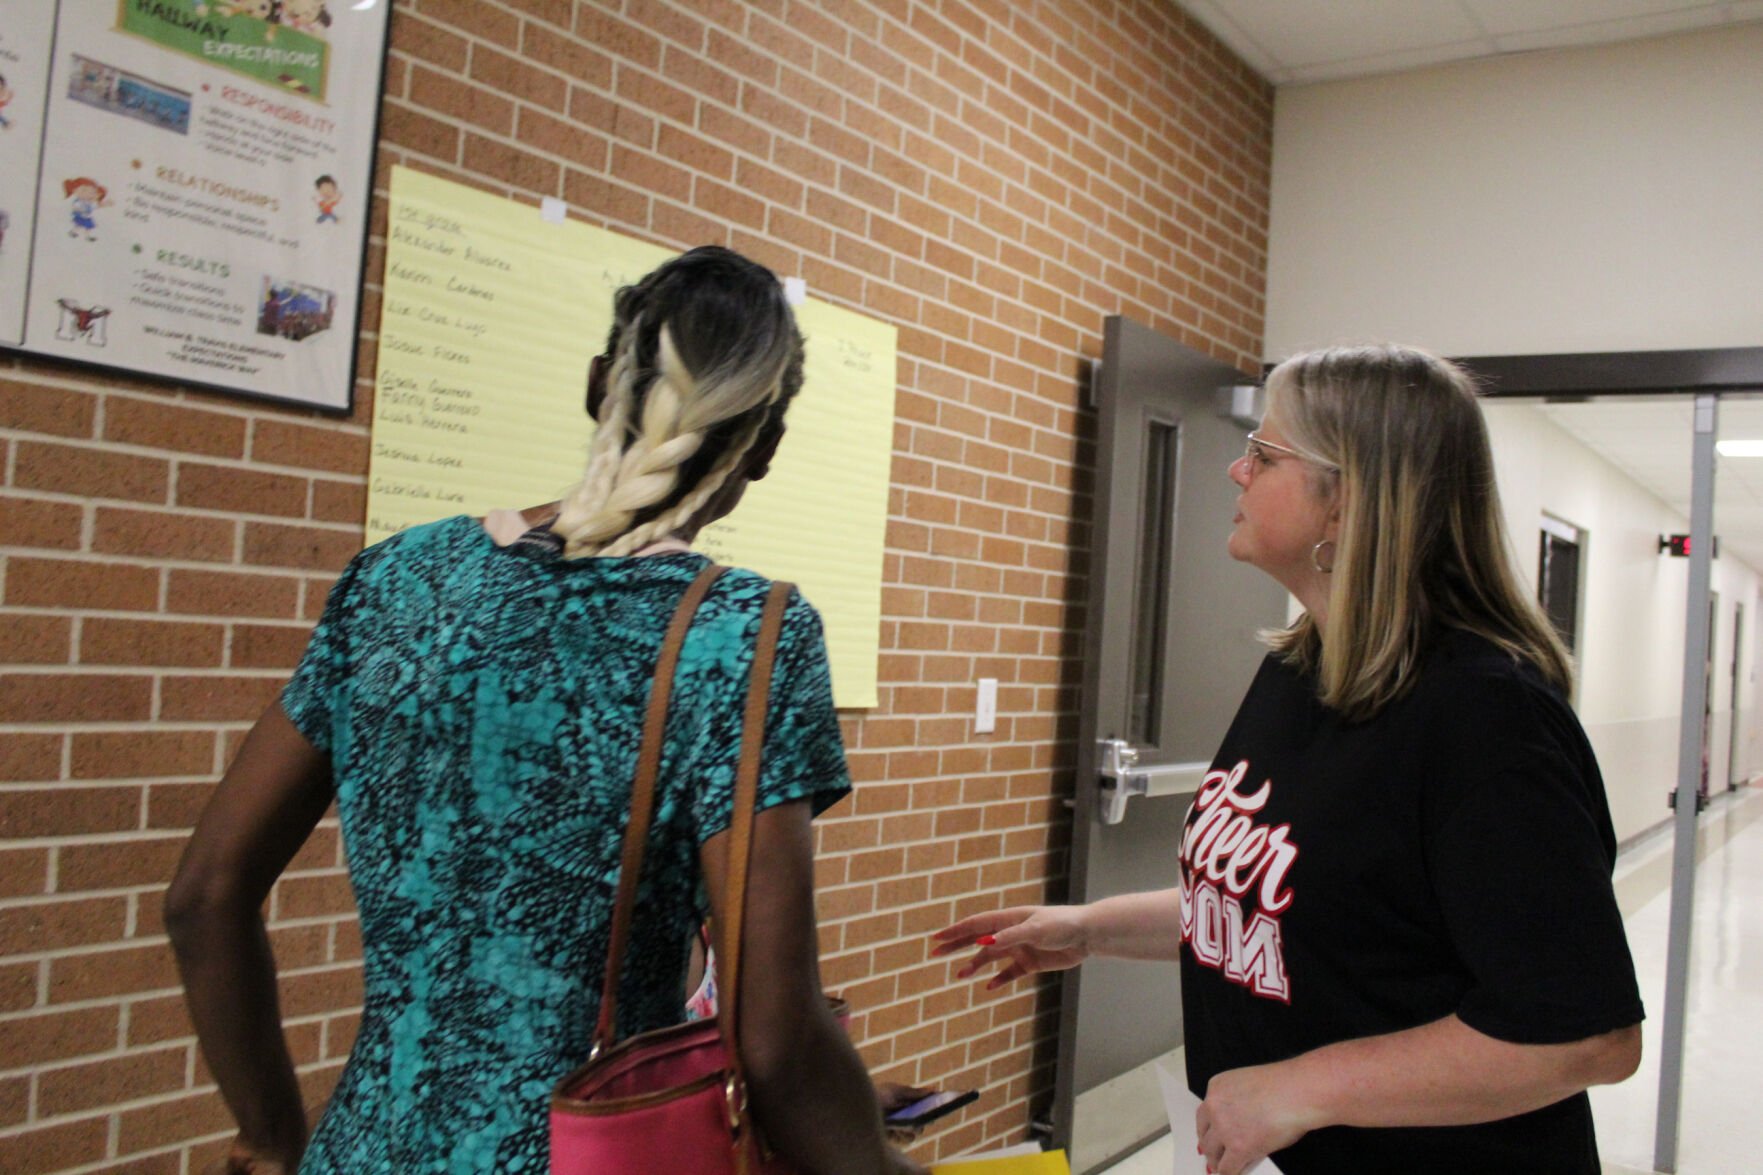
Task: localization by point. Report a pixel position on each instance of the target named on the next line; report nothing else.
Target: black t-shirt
(1451, 854)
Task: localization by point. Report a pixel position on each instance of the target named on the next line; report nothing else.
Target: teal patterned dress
(481, 707)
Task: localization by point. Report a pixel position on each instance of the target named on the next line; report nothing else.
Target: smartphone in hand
(915, 1115)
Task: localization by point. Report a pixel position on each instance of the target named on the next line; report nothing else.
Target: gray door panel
(1169, 649)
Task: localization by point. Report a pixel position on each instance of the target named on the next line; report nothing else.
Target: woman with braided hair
(472, 700)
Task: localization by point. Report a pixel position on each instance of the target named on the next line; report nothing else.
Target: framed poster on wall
(184, 188)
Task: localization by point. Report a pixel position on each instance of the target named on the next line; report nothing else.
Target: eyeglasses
(1258, 448)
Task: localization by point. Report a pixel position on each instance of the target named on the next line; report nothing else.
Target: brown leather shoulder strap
(740, 846)
(643, 798)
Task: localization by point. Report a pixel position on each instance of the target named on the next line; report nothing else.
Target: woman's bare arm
(809, 1089)
(262, 811)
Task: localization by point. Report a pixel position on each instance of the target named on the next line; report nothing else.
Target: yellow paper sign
(1044, 1163)
(491, 314)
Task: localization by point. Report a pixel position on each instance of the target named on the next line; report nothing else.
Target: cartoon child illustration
(267, 11)
(309, 16)
(87, 196)
(327, 198)
(5, 97)
(82, 322)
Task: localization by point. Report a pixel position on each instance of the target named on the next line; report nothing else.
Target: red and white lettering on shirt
(1225, 854)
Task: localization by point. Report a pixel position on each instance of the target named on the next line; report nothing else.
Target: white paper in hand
(1181, 1106)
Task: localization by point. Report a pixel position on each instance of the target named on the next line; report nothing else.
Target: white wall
(1597, 199)
(1632, 617)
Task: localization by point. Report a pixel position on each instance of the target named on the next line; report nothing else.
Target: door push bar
(1119, 777)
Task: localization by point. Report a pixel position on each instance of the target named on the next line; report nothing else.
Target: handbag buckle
(736, 1098)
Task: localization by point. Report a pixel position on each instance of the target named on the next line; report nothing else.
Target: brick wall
(991, 177)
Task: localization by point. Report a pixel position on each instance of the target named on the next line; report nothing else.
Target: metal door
(1170, 646)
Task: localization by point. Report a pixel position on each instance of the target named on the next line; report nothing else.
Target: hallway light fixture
(1739, 448)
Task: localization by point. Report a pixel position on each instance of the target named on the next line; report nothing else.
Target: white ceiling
(1650, 440)
(1297, 41)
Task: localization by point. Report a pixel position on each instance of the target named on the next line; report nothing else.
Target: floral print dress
(481, 706)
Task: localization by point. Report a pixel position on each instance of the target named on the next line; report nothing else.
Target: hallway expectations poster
(184, 188)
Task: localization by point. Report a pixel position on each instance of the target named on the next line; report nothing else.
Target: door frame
(1701, 375)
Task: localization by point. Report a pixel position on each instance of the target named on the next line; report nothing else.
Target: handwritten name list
(491, 314)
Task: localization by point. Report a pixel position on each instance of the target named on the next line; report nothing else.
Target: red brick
(314, 897)
(15, 1100)
(36, 640)
(217, 699)
(518, 79)
(567, 139)
(67, 583)
(593, 26)
(101, 1083)
(449, 95)
(142, 753)
(401, 126)
(159, 425)
(158, 1019)
(64, 811)
(310, 548)
(55, 1148)
(18, 986)
(54, 1036)
(336, 450)
(75, 697)
(240, 491)
(164, 1163)
(588, 56)
(118, 864)
(44, 926)
(23, 872)
(265, 646)
(29, 408)
(120, 971)
(156, 534)
(339, 501)
(428, 42)
(90, 472)
(315, 992)
(106, 641)
(226, 593)
(30, 757)
(163, 1123)
(39, 522)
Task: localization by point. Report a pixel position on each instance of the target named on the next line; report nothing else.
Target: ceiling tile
(1297, 34)
(1601, 32)
(1501, 17)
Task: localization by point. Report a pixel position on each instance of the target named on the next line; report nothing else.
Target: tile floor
(1722, 1117)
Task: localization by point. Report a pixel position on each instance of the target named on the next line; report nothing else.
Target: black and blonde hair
(703, 358)
(1422, 542)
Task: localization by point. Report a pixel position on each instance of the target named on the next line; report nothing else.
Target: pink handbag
(675, 1099)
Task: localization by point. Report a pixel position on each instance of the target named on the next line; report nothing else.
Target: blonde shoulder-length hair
(1422, 543)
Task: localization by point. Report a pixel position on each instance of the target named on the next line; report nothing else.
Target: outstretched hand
(1026, 939)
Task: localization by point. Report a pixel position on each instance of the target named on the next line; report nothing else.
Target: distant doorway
(1558, 560)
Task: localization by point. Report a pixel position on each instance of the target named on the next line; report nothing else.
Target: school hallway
(1721, 1124)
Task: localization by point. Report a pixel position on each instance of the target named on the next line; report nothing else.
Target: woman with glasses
(1399, 946)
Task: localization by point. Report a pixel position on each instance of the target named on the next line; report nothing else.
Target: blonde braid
(648, 470)
(584, 503)
(687, 508)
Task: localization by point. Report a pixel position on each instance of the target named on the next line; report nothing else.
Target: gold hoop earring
(1316, 556)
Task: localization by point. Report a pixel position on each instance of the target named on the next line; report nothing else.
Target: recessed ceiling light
(1739, 448)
